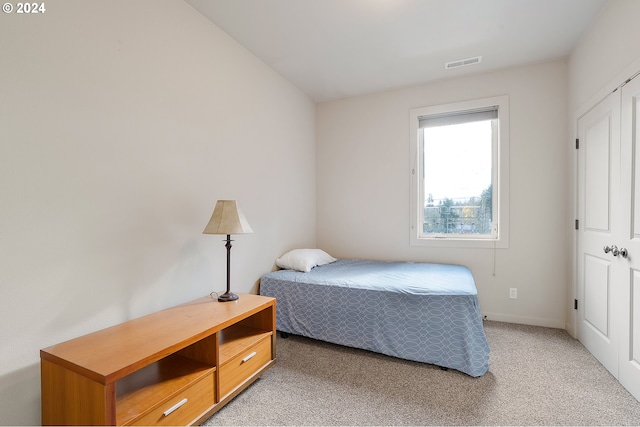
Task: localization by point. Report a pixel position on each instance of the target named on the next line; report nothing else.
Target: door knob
(623, 252)
(613, 249)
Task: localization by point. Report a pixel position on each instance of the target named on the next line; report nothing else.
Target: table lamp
(227, 219)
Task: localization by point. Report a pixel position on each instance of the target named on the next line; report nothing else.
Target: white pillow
(304, 259)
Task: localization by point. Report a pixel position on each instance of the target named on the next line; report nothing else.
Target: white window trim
(502, 182)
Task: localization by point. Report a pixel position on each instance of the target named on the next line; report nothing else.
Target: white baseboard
(570, 328)
(533, 321)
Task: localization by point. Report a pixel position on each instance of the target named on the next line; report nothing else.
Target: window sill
(456, 242)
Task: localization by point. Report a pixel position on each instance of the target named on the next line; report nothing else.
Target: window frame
(500, 170)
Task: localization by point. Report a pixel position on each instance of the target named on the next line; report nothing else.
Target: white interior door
(629, 358)
(600, 228)
(609, 234)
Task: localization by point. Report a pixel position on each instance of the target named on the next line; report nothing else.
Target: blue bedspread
(416, 311)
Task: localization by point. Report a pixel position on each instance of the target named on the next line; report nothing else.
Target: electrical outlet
(513, 293)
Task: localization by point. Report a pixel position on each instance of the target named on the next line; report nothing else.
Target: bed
(416, 311)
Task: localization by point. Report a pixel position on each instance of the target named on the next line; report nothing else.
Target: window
(460, 174)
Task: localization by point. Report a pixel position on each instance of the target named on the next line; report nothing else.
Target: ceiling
(333, 49)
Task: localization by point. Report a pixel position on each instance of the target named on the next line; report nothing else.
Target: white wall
(607, 55)
(363, 186)
(121, 124)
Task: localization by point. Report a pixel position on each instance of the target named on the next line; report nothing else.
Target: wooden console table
(174, 367)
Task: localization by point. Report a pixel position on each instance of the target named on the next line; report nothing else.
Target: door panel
(596, 294)
(599, 209)
(629, 306)
(634, 355)
(596, 147)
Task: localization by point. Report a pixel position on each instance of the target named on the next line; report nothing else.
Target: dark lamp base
(227, 296)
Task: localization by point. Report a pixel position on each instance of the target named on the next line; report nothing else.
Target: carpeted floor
(537, 376)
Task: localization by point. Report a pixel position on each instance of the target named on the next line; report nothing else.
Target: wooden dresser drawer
(199, 397)
(241, 367)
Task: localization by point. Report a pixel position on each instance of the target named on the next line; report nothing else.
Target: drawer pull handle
(174, 407)
(246, 359)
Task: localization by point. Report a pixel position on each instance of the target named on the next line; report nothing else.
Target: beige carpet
(537, 376)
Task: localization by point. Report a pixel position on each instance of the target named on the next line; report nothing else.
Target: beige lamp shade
(227, 219)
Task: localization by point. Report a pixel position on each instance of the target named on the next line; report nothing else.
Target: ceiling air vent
(463, 62)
